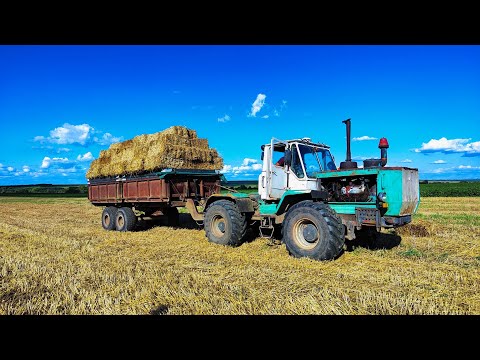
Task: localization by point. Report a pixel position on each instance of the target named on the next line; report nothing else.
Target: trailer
(151, 195)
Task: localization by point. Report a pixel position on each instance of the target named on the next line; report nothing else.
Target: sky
(61, 105)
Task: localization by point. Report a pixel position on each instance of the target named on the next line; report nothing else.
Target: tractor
(316, 205)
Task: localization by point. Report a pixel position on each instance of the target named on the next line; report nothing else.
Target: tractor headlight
(382, 196)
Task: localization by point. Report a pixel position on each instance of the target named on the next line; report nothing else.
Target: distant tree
(72, 190)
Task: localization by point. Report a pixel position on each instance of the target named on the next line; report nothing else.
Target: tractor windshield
(316, 160)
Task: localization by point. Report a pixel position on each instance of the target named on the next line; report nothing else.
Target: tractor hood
(400, 184)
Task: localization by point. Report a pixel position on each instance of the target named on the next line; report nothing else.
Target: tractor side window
(327, 161)
(296, 164)
(278, 157)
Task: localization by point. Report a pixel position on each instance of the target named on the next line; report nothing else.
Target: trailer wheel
(313, 230)
(108, 217)
(173, 218)
(224, 224)
(125, 219)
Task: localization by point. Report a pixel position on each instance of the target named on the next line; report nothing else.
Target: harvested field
(175, 147)
(65, 263)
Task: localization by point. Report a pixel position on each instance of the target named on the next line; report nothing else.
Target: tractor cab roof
(307, 141)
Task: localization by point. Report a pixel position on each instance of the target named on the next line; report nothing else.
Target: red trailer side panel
(111, 192)
(156, 189)
(143, 190)
(151, 189)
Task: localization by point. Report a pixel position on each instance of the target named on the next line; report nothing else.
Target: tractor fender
(290, 198)
(243, 201)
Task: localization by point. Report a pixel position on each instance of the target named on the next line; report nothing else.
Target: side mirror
(262, 155)
(288, 157)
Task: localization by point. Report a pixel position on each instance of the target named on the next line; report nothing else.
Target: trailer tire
(224, 224)
(173, 217)
(314, 230)
(109, 215)
(125, 219)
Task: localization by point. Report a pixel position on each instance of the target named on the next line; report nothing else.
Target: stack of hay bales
(176, 147)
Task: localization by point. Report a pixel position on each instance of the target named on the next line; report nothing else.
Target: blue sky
(61, 105)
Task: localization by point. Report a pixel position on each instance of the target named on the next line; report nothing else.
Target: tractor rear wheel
(125, 219)
(224, 224)
(108, 217)
(313, 230)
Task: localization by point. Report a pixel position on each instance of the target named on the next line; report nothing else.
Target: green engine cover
(399, 183)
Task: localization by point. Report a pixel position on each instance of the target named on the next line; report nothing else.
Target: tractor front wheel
(313, 230)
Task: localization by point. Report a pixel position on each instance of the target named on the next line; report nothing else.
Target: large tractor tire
(224, 224)
(173, 218)
(125, 219)
(313, 230)
(108, 217)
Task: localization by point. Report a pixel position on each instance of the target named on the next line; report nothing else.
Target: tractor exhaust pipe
(349, 125)
(383, 146)
(348, 163)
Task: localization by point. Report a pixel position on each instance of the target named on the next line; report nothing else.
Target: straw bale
(181, 131)
(175, 147)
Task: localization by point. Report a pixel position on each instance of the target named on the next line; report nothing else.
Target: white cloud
(446, 146)
(439, 162)
(86, 157)
(257, 105)
(51, 149)
(247, 161)
(364, 138)
(406, 161)
(260, 104)
(76, 134)
(472, 149)
(443, 145)
(241, 168)
(107, 139)
(46, 162)
(10, 168)
(25, 168)
(468, 167)
(361, 158)
(455, 170)
(226, 169)
(224, 118)
(283, 106)
(246, 168)
(70, 134)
